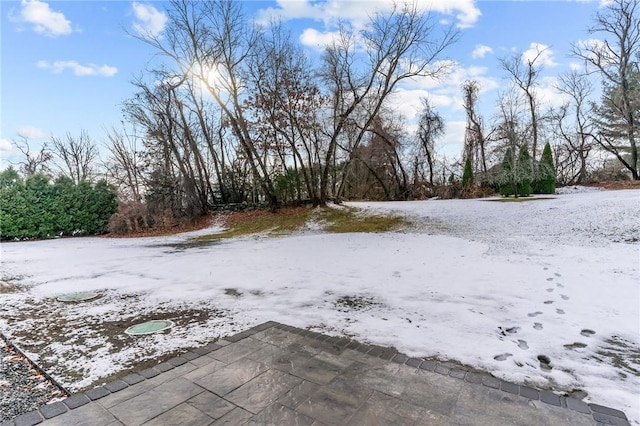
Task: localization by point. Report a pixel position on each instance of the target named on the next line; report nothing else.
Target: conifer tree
(467, 175)
(506, 175)
(546, 180)
(524, 172)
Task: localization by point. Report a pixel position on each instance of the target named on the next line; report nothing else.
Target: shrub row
(36, 207)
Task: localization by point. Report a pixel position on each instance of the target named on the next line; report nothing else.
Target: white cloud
(6, 151)
(408, 101)
(575, 66)
(452, 141)
(541, 53)
(591, 44)
(316, 39)
(5, 147)
(548, 94)
(30, 132)
(78, 69)
(149, 20)
(44, 20)
(465, 11)
(481, 51)
(452, 83)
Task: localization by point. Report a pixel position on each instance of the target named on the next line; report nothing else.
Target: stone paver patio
(274, 374)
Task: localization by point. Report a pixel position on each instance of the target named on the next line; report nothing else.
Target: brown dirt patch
(175, 228)
(247, 217)
(228, 220)
(617, 184)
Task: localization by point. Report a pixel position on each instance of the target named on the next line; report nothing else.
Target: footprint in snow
(502, 357)
(510, 330)
(550, 290)
(564, 297)
(545, 362)
(548, 302)
(534, 314)
(560, 311)
(557, 274)
(559, 285)
(587, 333)
(537, 325)
(522, 344)
(550, 279)
(576, 345)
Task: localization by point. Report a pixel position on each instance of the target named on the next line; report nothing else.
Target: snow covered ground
(495, 285)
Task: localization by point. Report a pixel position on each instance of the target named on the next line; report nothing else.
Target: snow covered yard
(544, 292)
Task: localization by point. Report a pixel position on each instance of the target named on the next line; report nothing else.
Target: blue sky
(68, 66)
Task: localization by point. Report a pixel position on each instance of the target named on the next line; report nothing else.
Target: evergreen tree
(505, 179)
(616, 60)
(524, 172)
(13, 204)
(545, 182)
(618, 122)
(467, 175)
(40, 214)
(102, 204)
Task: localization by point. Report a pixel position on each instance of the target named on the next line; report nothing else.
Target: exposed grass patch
(348, 220)
(285, 221)
(261, 221)
(520, 199)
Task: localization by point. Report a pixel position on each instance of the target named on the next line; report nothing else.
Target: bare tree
(474, 139)
(509, 134)
(177, 181)
(281, 114)
(575, 126)
(211, 42)
(524, 74)
(33, 163)
(124, 168)
(616, 59)
(285, 104)
(78, 155)
(378, 171)
(431, 126)
(399, 45)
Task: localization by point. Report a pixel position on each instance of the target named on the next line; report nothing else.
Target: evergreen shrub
(38, 208)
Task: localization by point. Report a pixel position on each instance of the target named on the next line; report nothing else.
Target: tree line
(238, 113)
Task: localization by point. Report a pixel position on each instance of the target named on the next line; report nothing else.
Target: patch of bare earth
(176, 227)
(617, 184)
(68, 340)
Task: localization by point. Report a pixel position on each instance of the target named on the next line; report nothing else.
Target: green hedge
(38, 208)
